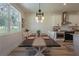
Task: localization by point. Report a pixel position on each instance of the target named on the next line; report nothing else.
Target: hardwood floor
(66, 49)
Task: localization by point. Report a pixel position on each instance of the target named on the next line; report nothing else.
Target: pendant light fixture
(39, 15)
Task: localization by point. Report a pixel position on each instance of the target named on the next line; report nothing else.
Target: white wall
(48, 23)
(9, 42)
(74, 18)
(51, 19)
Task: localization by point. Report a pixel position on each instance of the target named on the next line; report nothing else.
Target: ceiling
(50, 7)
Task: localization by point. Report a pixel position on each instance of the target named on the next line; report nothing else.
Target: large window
(15, 21)
(10, 19)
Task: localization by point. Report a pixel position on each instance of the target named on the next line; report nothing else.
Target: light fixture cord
(39, 5)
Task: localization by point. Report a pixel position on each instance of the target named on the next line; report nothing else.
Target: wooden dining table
(40, 44)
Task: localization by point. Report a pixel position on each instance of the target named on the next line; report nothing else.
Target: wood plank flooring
(66, 49)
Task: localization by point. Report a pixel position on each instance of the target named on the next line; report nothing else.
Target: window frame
(9, 19)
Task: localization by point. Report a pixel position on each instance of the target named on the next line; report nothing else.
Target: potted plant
(26, 30)
(38, 33)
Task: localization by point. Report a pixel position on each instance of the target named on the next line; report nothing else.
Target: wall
(8, 42)
(74, 18)
(51, 19)
(47, 25)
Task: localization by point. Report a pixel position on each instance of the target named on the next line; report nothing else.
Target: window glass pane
(15, 21)
(10, 19)
(3, 18)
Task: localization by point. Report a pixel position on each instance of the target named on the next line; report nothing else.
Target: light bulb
(36, 18)
(42, 20)
(42, 17)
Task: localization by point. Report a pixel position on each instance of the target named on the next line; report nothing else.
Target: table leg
(39, 52)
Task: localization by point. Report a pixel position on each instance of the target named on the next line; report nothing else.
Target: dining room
(39, 29)
(49, 26)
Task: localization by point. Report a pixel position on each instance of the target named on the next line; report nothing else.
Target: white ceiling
(50, 7)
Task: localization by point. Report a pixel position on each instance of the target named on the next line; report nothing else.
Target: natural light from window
(10, 19)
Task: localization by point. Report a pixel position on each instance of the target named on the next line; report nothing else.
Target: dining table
(40, 43)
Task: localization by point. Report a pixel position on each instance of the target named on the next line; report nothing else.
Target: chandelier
(39, 15)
